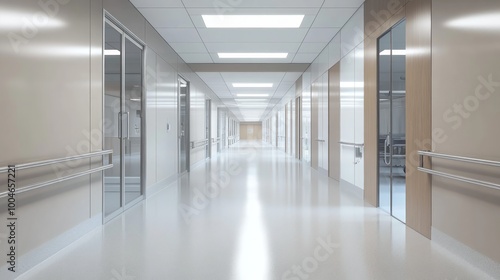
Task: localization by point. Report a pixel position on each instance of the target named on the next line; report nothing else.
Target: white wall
(347, 48)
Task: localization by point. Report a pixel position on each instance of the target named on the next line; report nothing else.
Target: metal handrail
(59, 160)
(58, 180)
(460, 158)
(486, 184)
(351, 144)
(200, 143)
(62, 179)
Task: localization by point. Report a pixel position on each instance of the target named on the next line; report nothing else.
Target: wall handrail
(61, 179)
(58, 180)
(458, 158)
(199, 143)
(59, 160)
(351, 144)
(486, 184)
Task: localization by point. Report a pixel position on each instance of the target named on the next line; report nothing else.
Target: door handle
(120, 125)
(128, 125)
(387, 143)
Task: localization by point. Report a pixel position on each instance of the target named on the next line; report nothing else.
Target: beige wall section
(465, 99)
(418, 113)
(48, 112)
(251, 131)
(334, 122)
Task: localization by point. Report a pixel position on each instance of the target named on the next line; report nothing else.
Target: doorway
(123, 120)
(184, 148)
(208, 122)
(391, 121)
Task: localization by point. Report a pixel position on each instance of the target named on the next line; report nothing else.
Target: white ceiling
(181, 25)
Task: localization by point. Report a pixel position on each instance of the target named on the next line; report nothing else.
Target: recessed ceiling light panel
(253, 21)
(253, 85)
(253, 55)
(252, 95)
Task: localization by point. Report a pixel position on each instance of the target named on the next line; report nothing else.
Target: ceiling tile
(333, 17)
(305, 57)
(312, 48)
(233, 4)
(189, 47)
(253, 47)
(322, 35)
(343, 3)
(180, 35)
(158, 3)
(167, 17)
(196, 57)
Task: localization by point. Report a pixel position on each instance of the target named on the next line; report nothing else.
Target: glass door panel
(392, 121)
(133, 121)
(183, 126)
(384, 122)
(113, 118)
(398, 115)
(123, 96)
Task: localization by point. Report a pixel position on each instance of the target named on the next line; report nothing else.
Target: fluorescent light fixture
(112, 52)
(254, 100)
(253, 21)
(253, 85)
(252, 95)
(253, 55)
(135, 99)
(487, 21)
(394, 52)
(184, 85)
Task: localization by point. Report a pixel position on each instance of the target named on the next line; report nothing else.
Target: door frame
(388, 31)
(126, 34)
(188, 120)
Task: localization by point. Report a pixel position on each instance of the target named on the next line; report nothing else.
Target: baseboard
(155, 188)
(37, 256)
(351, 188)
(468, 254)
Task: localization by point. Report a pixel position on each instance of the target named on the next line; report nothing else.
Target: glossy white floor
(254, 213)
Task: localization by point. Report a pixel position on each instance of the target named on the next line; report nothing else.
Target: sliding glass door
(123, 120)
(391, 121)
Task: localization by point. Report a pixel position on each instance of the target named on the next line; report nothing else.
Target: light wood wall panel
(250, 131)
(380, 16)
(334, 122)
(418, 114)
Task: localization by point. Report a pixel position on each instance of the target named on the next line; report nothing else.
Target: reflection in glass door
(184, 148)
(391, 121)
(123, 64)
(133, 114)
